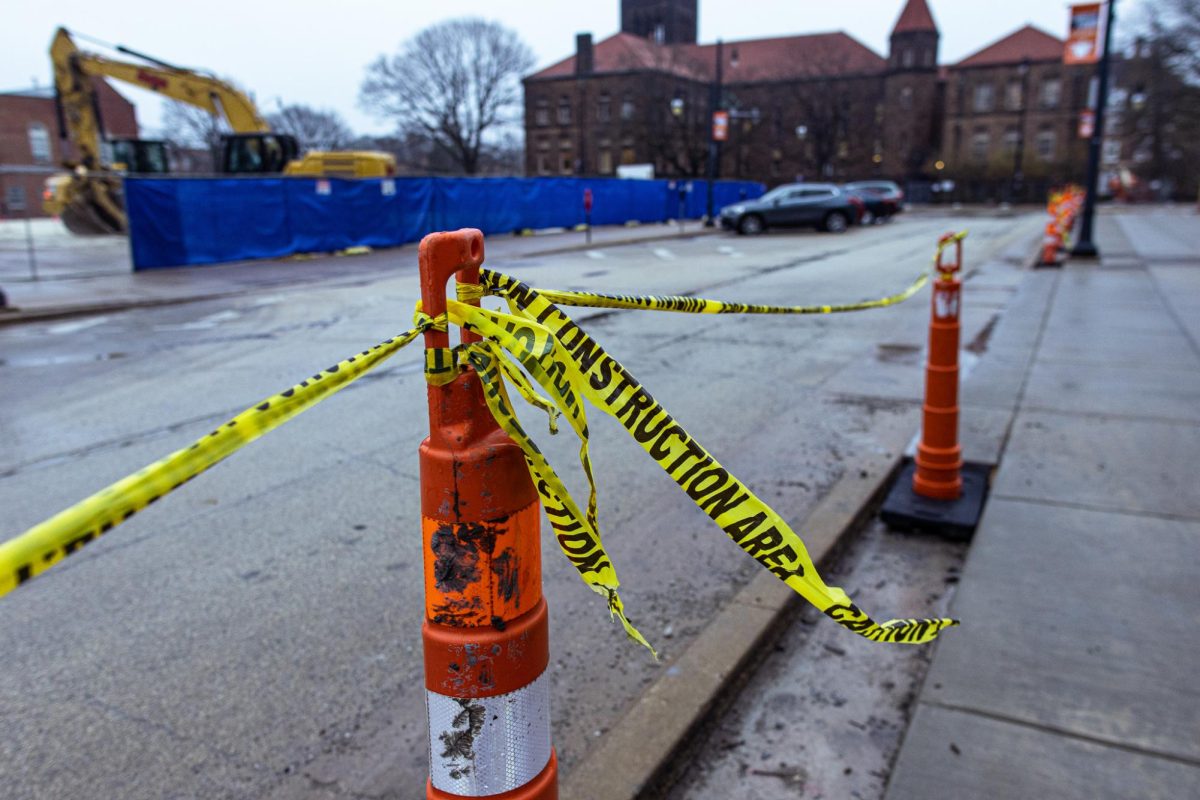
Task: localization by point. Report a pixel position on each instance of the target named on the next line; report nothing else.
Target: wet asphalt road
(256, 634)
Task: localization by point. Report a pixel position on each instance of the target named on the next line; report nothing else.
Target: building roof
(1026, 44)
(779, 58)
(36, 91)
(915, 16)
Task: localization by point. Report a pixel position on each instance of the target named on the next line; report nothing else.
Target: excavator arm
(74, 68)
(90, 199)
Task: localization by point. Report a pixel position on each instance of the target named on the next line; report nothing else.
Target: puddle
(898, 353)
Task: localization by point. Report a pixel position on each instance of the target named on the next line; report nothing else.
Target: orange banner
(1083, 38)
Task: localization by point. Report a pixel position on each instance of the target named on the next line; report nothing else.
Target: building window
(628, 156)
(980, 142)
(541, 113)
(1051, 93)
(543, 164)
(906, 97)
(1044, 143)
(14, 198)
(628, 109)
(39, 143)
(929, 58)
(564, 111)
(985, 97)
(1012, 136)
(906, 58)
(566, 164)
(604, 162)
(603, 108)
(1013, 96)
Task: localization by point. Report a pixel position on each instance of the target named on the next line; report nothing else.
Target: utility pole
(1085, 247)
(714, 147)
(1018, 177)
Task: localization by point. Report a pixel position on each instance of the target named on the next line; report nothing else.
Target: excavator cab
(257, 153)
(139, 156)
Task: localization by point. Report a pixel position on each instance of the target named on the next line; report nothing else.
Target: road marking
(732, 252)
(202, 324)
(663, 253)
(75, 327)
(596, 254)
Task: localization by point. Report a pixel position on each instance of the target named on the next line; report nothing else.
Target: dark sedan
(820, 205)
(882, 199)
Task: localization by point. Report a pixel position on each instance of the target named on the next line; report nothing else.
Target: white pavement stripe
(663, 253)
(75, 327)
(596, 254)
(202, 324)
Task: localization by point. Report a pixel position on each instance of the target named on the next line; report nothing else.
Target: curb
(16, 315)
(642, 754)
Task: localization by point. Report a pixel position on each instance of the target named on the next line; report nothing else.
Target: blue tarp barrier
(184, 221)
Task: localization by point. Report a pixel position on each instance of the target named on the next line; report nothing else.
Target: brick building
(1012, 114)
(812, 107)
(31, 150)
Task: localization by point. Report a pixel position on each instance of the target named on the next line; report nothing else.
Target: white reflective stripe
(487, 745)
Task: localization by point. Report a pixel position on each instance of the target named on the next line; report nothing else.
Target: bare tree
(314, 128)
(670, 109)
(1160, 79)
(188, 126)
(457, 82)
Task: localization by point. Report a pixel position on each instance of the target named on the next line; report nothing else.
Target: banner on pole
(1083, 38)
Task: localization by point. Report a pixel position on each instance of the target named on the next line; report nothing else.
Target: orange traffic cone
(939, 455)
(486, 629)
(1050, 245)
(937, 491)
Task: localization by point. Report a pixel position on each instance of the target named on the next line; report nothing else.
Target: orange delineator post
(1051, 243)
(486, 628)
(939, 462)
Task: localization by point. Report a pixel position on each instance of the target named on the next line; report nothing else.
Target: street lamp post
(714, 147)
(1085, 247)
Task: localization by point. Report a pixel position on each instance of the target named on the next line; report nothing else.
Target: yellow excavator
(89, 199)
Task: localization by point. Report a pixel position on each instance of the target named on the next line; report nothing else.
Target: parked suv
(883, 199)
(820, 205)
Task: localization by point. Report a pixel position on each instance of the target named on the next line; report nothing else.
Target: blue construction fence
(186, 221)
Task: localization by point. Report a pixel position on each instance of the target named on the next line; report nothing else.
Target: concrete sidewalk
(1074, 672)
(85, 275)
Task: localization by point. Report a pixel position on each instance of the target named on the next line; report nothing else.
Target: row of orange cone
(1063, 207)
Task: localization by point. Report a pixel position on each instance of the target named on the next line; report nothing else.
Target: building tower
(664, 21)
(912, 103)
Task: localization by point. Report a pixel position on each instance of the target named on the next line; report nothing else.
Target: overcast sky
(303, 51)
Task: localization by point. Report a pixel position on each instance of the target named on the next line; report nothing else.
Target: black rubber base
(904, 509)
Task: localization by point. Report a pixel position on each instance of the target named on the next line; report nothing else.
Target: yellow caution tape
(685, 304)
(49, 542)
(569, 365)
